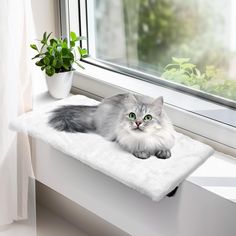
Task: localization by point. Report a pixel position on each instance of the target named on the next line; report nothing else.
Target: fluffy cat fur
(112, 120)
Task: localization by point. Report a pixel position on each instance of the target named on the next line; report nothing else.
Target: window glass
(192, 43)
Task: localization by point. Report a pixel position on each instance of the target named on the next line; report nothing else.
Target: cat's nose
(138, 123)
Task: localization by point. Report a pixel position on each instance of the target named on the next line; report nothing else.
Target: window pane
(192, 42)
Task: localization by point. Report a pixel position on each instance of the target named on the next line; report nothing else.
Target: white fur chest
(150, 140)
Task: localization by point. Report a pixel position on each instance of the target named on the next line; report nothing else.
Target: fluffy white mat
(153, 177)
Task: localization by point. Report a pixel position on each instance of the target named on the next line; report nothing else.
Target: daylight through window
(192, 43)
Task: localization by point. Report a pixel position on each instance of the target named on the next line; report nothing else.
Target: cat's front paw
(163, 154)
(142, 155)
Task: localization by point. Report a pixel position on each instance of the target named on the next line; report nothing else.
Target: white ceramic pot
(59, 84)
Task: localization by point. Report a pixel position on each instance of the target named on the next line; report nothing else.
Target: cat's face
(143, 116)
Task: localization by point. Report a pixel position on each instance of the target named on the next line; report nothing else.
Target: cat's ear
(131, 98)
(158, 103)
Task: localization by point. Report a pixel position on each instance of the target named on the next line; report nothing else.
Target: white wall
(46, 16)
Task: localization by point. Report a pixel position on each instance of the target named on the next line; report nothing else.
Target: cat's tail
(73, 118)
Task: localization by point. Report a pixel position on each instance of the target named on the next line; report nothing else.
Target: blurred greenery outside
(186, 42)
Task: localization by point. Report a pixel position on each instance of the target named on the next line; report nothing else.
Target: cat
(137, 123)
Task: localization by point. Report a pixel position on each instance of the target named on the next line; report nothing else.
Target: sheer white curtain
(16, 175)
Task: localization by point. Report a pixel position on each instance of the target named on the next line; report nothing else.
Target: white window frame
(206, 121)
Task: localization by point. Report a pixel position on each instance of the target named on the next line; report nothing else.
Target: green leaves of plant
(212, 80)
(53, 42)
(39, 63)
(83, 52)
(45, 38)
(50, 70)
(184, 72)
(73, 36)
(46, 60)
(33, 46)
(180, 60)
(56, 55)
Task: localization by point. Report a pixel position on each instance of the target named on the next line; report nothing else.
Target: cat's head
(143, 113)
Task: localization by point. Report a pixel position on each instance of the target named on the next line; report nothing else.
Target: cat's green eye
(132, 116)
(147, 117)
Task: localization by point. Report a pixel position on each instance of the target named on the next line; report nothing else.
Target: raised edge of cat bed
(153, 177)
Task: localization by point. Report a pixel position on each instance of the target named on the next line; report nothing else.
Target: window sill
(209, 122)
(217, 175)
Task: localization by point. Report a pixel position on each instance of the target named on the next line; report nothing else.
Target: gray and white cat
(137, 123)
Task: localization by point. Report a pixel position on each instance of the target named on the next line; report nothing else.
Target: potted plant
(56, 57)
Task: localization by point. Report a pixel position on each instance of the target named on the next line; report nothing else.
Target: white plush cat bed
(153, 177)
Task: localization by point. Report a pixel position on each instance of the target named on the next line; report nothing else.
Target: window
(189, 45)
(201, 46)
